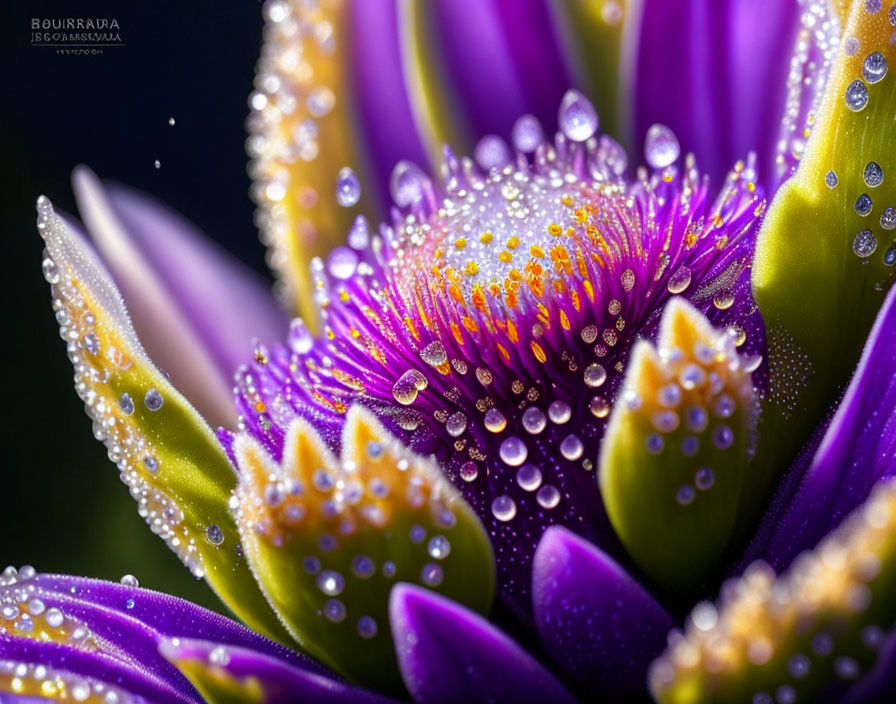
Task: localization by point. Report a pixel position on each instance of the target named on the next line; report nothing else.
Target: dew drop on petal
(528, 477)
(830, 179)
(513, 451)
(494, 420)
(456, 424)
(130, 580)
(439, 548)
(704, 479)
(126, 403)
(153, 400)
(214, 534)
(890, 255)
(548, 496)
(527, 134)
(888, 219)
(491, 152)
(856, 95)
(685, 494)
(595, 375)
(334, 610)
(534, 420)
(864, 244)
(680, 280)
(863, 204)
(874, 67)
(342, 263)
(503, 508)
(300, 338)
(599, 407)
(571, 447)
(469, 471)
(723, 299)
(330, 583)
(559, 412)
(359, 234)
(873, 174)
(367, 627)
(348, 187)
(431, 574)
(408, 385)
(406, 184)
(577, 117)
(661, 148)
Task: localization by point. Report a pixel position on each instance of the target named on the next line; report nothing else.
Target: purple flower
(547, 377)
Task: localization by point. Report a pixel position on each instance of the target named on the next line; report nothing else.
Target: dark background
(62, 505)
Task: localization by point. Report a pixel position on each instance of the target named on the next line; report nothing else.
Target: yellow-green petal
(168, 456)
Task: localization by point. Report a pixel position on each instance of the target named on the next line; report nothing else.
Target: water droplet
(408, 385)
(51, 273)
(559, 412)
(348, 187)
(363, 566)
(300, 338)
(595, 375)
(320, 101)
(342, 263)
(661, 147)
(417, 534)
(389, 569)
(690, 445)
(874, 67)
(219, 656)
(722, 437)
(723, 299)
(864, 244)
(872, 7)
(830, 179)
(311, 564)
(503, 508)
(527, 134)
(669, 395)
(846, 667)
(873, 174)
(129, 580)
(126, 403)
(863, 204)
(129, 604)
(654, 443)
(153, 400)
(171, 121)
(334, 610)
(856, 95)
(705, 616)
(469, 471)
(214, 534)
(704, 479)
(724, 406)
(548, 496)
(406, 184)
(851, 46)
(577, 117)
(888, 219)
(491, 152)
(330, 583)
(680, 280)
(513, 451)
(91, 343)
(599, 406)
(359, 234)
(456, 424)
(571, 447)
(685, 494)
(528, 477)
(157, 164)
(55, 618)
(534, 420)
(151, 463)
(439, 548)
(431, 574)
(367, 627)
(890, 255)
(494, 420)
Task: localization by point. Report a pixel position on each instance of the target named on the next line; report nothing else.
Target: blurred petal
(235, 674)
(162, 316)
(858, 449)
(168, 457)
(716, 73)
(595, 620)
(449, 654)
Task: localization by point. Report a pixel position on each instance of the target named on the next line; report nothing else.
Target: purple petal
(707, 71)
(449, 654)
(856, 451)
(280, 682)
(595, 620)
(195, 308)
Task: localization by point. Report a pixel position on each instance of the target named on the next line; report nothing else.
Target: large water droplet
(494, 420)
(342, 262)
(548, 496)
(856, 95)
(534, 420)
(406, 184)
(348, 187)
(528, 477)
(405, 389)
(491, 152)
(577, 117)
(864, 244)
(456, 424)
(863, 204)
(680, 280)
(153, 400)
(359, 234)
(888, 219)
(434, 354)
(874, 67)
(527, 134)
(873, 174)
(661, 147)
(299, 337)
(330, 583)
(595, 375)
(513, 451)
(503, 508)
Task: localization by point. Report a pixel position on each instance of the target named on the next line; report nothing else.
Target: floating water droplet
(513, 451)
(856, 95)
(408, 385)
(661, 148)
(534, 420)
(696, 418)
(503, 508)
(669, 395)
(406, 184)
(348, 187)
(528, 477)
(548, 496)
(491, 152)
(527, 134)
(359, 234)
(874, 67)
(595, 375)
(873, 174)
(439, 548)
(888, 219)
(599, 407)
(705, 478)
(830, 179)
(367, 627)
(431, 574)
(864, 244)
(724, 406)
(469, 471)
(153, 400)
(680, 280)
(577, 117)
(863, 204)
(330, 583)
(214, 534)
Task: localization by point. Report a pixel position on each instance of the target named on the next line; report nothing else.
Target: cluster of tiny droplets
(496, 312)
(824, 613)
(98, 351)
(335, 507)
(857, 96)
(815, 48)
(288, 107)
(27, 612)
